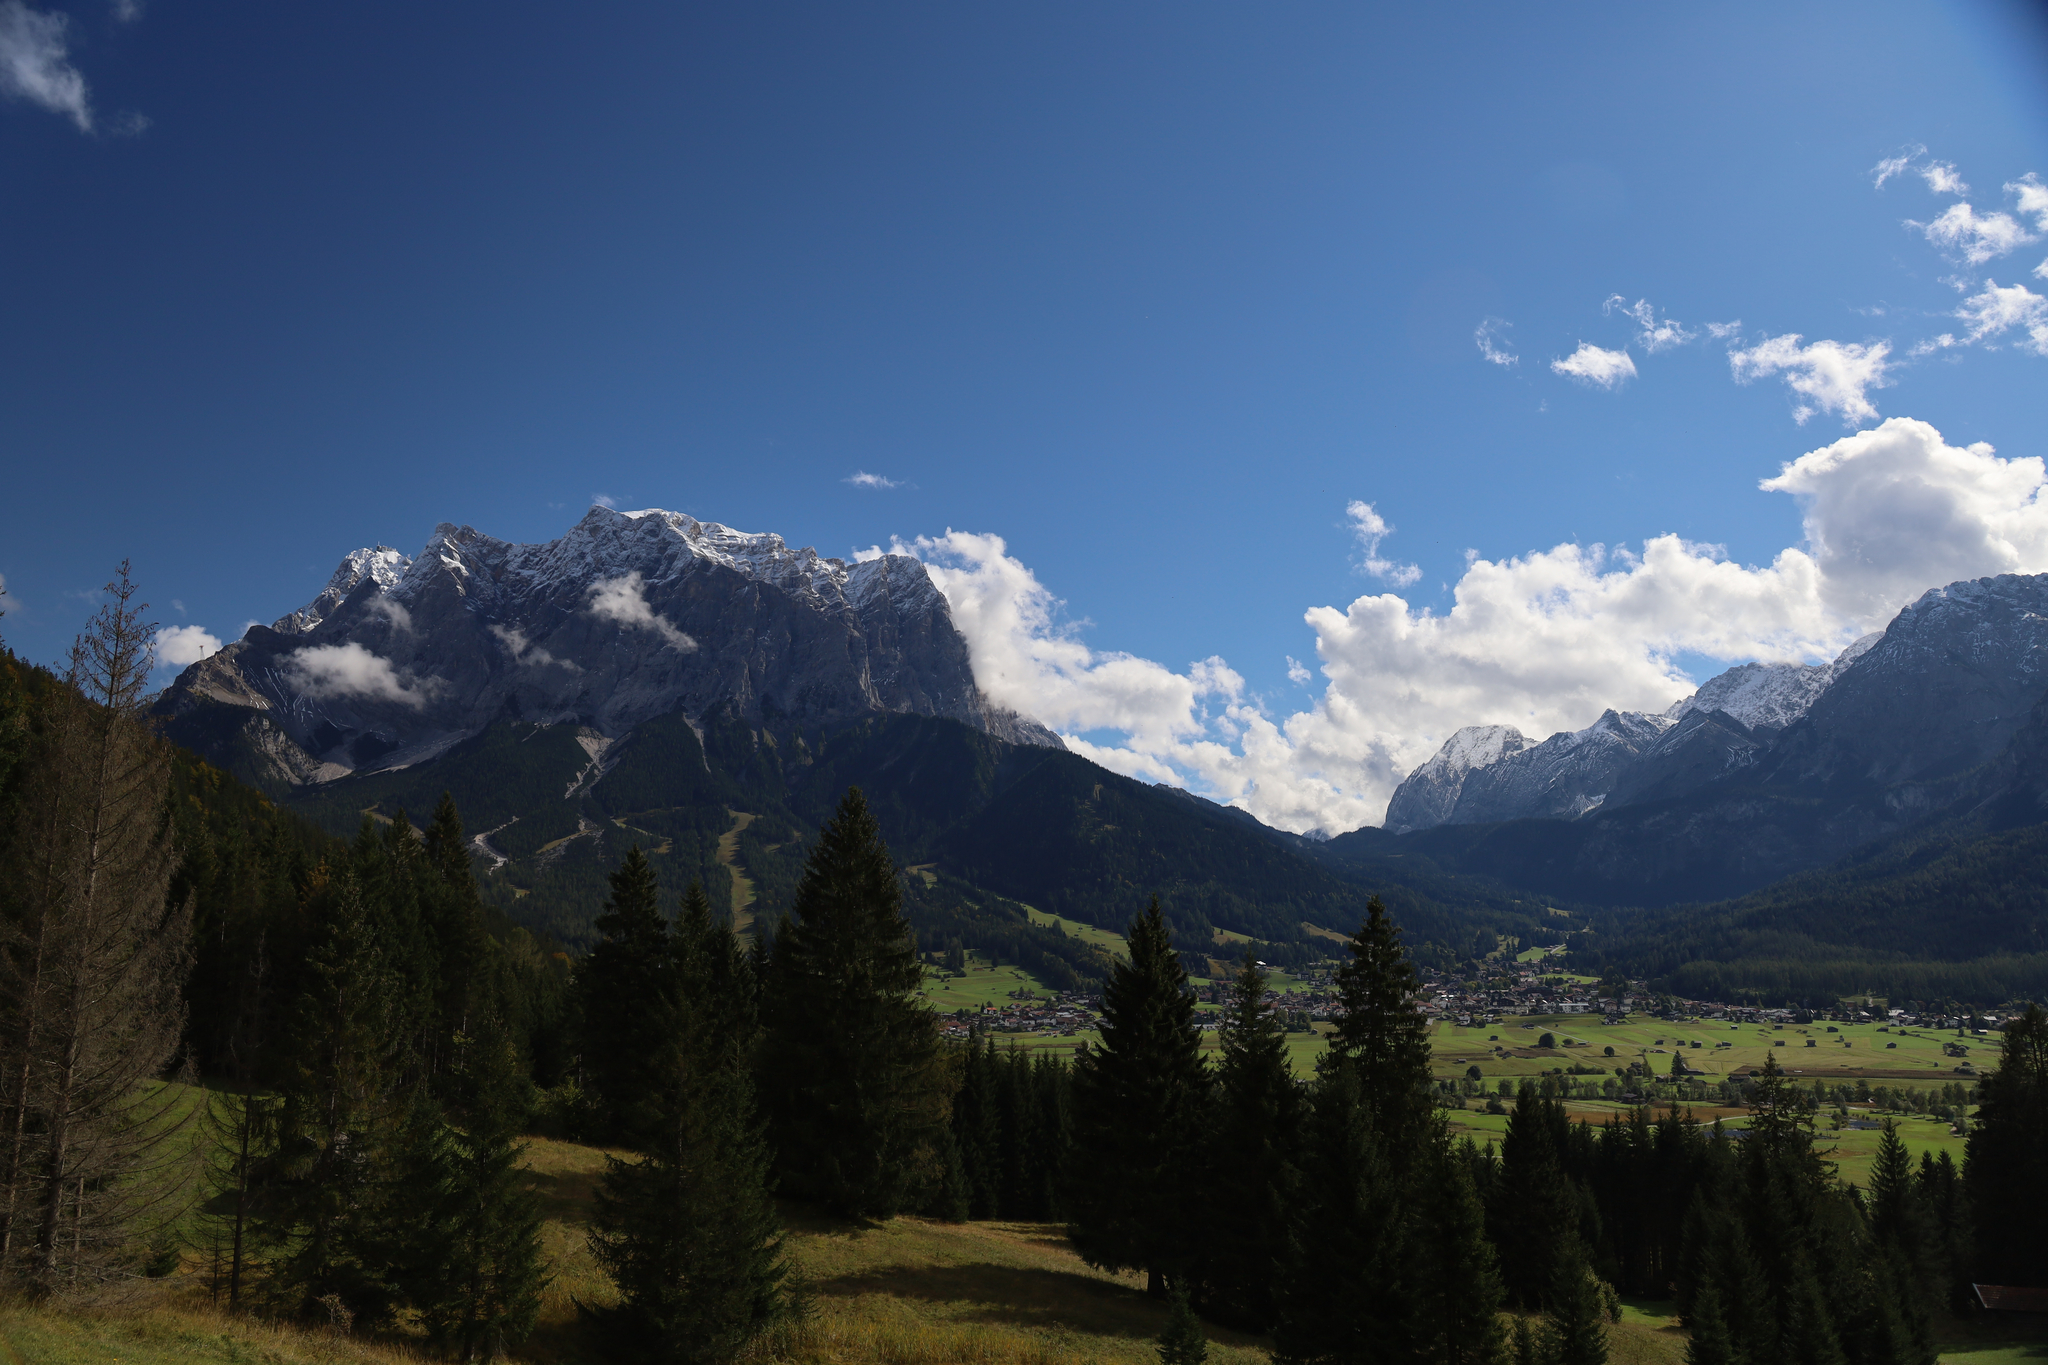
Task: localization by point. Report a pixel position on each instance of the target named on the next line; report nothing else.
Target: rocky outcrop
(627, 617)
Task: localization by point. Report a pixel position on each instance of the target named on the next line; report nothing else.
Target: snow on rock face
(628, 616)
(382, 565)
(1761, 696)
(1563, 777)
(1428, 795)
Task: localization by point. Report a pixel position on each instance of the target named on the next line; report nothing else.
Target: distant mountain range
(1767, 771)
(708, 694)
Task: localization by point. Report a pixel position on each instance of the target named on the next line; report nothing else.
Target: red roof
(2010, 1298)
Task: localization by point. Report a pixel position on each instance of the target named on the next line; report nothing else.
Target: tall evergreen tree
(1709, 1342)
(1348, 1292)
(1575, 1327)
(626, 988)
(329, 1207)
(1138, 1098)
(976, 1134)
(2005, 1169)
(1254, 1147)
(849, 1065)
(477, 1274)
(1383, 1035)
(1906, 1271)
(689, 1232)
(1458, 1315)
(1534, 1218)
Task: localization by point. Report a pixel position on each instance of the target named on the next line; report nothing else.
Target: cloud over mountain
(1544, 640)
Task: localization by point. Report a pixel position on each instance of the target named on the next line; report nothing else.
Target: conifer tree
(1575, 1328)
(626, 988)
(849, 1060)
(689, 1232)
(92, 964)
(1182, 1341)
(977, 1141)
(1383, 1035)
(1458, 1318)
(477, 1276)
(1253, 1151)
(1348, 1291)
(1907, 1269)
(1710, 1342)
(1138, 1099)
(328, 1208)
(1534, 1215)
(2005, 1169)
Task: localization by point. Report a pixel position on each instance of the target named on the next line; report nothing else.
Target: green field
(982, 985)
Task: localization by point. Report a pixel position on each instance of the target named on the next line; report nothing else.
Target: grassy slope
(907, 1292)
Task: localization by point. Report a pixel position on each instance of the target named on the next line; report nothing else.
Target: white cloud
(1829, 376)
(1895, 165)
(863, 479)
(2032, 196)
(625, 600)
(1999, 310)
(332, 672)
(394, 612)
(1297, 672)
(1653, 336)
(1942, 178)
(528, 654)
(1543, 641)
(35, 63)
(1592, 365)
(1371, 528)
(1492, 345)
(604, 500)
(1971, 238)
(179, 646)
(1721, 331)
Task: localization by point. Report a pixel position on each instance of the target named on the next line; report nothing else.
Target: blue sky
(1153, 293)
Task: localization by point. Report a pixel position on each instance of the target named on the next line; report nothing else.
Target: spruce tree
(2005, 1169)
(849, 1063)
(478, 1275)
(1138, 1100)
(1253, 1150)
(1348, 1290)
(1710, 1342)
(1383, 1035)
(1182, 1341)
(976, 1138)
(1458, 1316)
(626, 988)
(1575, 1327)
(328, 1206)
(689, 1232)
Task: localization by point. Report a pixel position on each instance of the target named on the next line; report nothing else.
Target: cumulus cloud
(1828, 376)
(1721, 331)
(1371, 528)
(338, 672)
(527, 654)
(35, 63)
(1543, 641)
(2032, 197)
(1997, 310)
(624, 600)
(1297, 671)
(1942, 178)
(1969, 237)
(1492, 345)
(1600, 368)
(863, 479)
(180, 646)
(1653, 336)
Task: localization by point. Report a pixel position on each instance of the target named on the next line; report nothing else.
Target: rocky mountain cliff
(629, 616)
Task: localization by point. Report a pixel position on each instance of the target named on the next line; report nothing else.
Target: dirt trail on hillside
(742, 884)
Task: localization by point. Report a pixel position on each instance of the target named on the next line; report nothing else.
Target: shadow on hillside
(1015, 1296)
